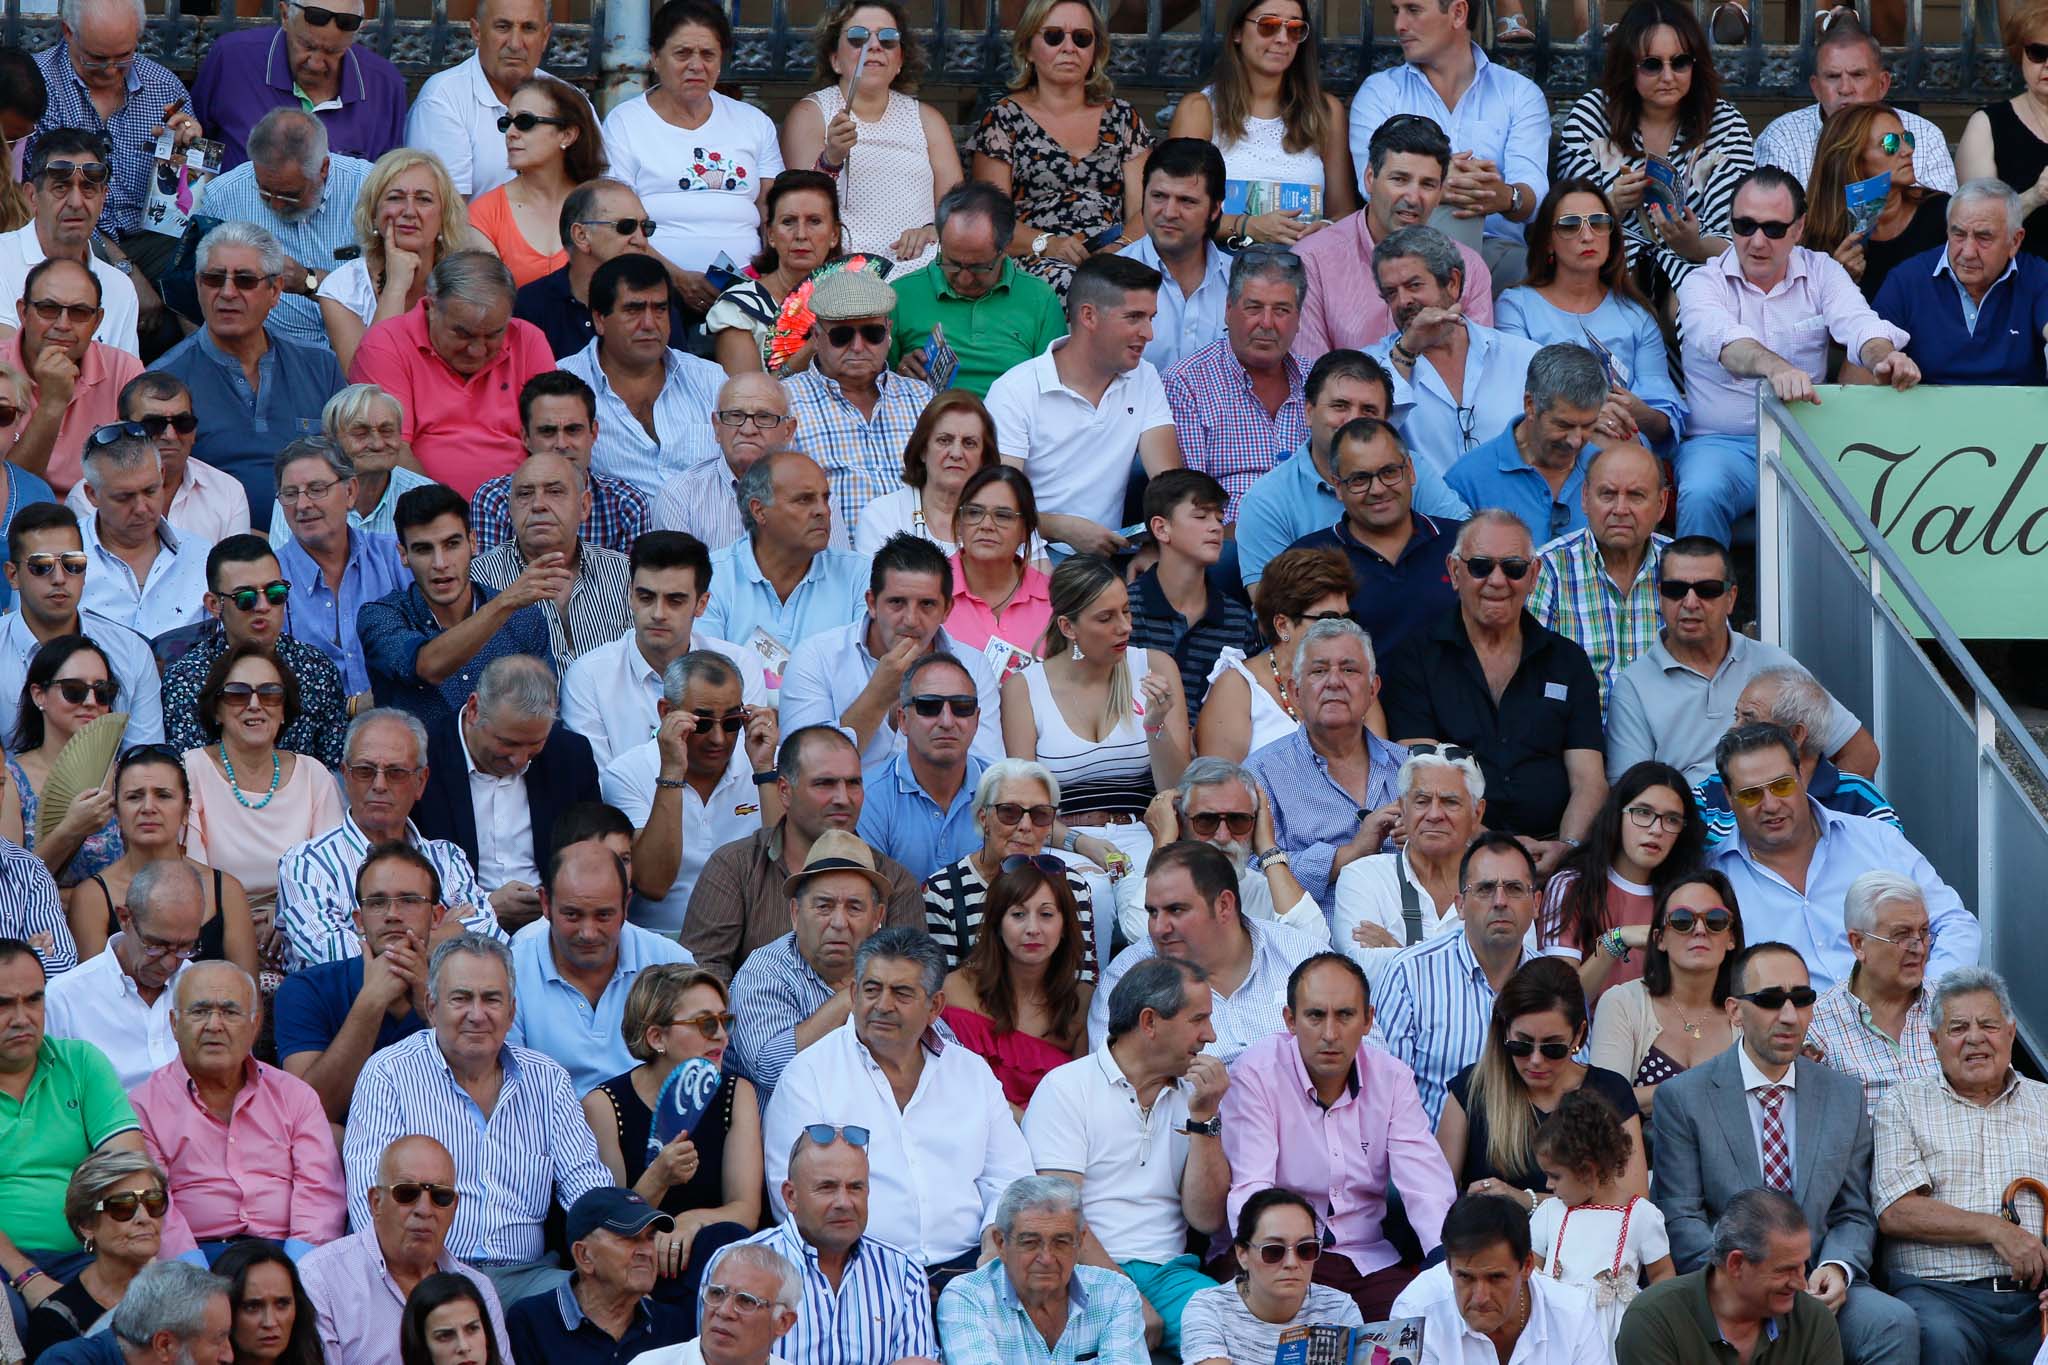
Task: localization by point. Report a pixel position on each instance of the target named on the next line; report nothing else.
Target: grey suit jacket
(1706, 1153)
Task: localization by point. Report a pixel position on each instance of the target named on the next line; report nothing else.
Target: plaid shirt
(1223, 427)
(1847, 1040)
(1575, 597)
(982, 1322)
(618, 514)
(1930, 1140)
(861, 456)
(151, 88)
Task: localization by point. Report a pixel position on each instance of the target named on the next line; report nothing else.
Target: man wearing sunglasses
(1848, 68)
(1675, 702)
(601, 220)
(310, 62)
(993, 313)
(66, 181)
(1784, 839)
(1994, 290)
(1765, 285)
(1787, 696)
(75, 382)
(121, 1000)
(1220, 804)
(1536, 466)
(197, 497)
(920, 800)
(143, 572)
(1762, 1113)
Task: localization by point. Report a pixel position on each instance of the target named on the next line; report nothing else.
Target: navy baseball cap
(611, 1209)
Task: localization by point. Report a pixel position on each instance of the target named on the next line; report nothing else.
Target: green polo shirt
(74, 1103)
(1672, 1324)
(1002, 329)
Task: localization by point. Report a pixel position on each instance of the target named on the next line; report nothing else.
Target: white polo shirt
(173, 595)
(733, 812)
(1084, 1117)
(1077, 454)
(97, 1002)
(21, 251)
(609, 694)
(1563, 1324)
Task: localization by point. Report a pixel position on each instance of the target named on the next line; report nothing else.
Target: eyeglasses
(1082, 38)
(1749, 227)
(43, 563)
(408, 1192)
(153, 948)
(1308, 1249)
(1892, 142)
(743, 1303)
(625, 227)
(1774, 998)
(1675, 589)
(49, 310)
(1205, 824)
(410, 900)
(1359, 484)
(1529, 1047)
(75, 691)
(2037, 53)
(1514, 889)
(873, 333)
(1649, 817)
(312, 491)
(1682, 921)
(321, 18)
(1044, 862)
(928, 706)
(276, 593)
(156, 424)
(1780, 787)
(1482, 566)
(1570, 224)
(1272, 26)
(211, 1009)
(1010, 813)
(825, 1134)
(971, 267)
(526, 121)
(245, 280)
(739, 417)
(271, 695)
(64, 174)
(1919, 938)
(885, 38)
(974, 514)
(121, 1207)
(713, 1024)
(1654, 66)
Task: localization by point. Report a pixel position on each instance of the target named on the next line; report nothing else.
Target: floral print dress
(1056, 191)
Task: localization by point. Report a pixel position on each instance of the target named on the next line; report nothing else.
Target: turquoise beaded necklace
(276, 776)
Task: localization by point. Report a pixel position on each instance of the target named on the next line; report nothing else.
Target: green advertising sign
(1953, 478)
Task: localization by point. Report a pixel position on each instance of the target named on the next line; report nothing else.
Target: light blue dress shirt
(555, 1017)
(1438, 428)
(1290, 500)
(1183, 325)
(326, 619)
(128, 654)
(1496, 475)
(899, 819)
(744, 605)
(682, 414)
(311, 241)
(1626, 329)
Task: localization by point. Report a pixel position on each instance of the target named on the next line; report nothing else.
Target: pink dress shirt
(1025, 616)
(465, 431)
(270, 1170)
(1343, 308)
(95, 401)
(357, 1306)
(1340, 1159)
(1717, 304)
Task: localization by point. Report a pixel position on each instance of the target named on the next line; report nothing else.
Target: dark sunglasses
(1083, 38)
(9, 414)
(42, 564)
(732, 724)
(1273, 1253)
(1749, 227)
(75, 691)
(1717, 920)
(1571, 223)
(1528, 1047)
(1891, 142)
(886, 38)
(238, 693)
(873, 333)
(321, 18)
(824, 1134)
(928, 706)
(245, 280)
(625, 227)
(1775, 997)
(184, 423)
(1044, 862)
(49, 310)
(408, 1192)
(1453, 752)
(94, 173)
(275, 593)
(1010, 813)
(2037, 53)
(117, 431)
(121, 1207)
(1272, 26)
(1707, 589)
(1239, 822)
(168, 753)
(1654, 66)
(526, 121)
(1482, 566)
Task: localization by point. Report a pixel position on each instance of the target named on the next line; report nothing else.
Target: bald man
(1598, 585)
(749, 419)
(364, 1279)
(550, 497)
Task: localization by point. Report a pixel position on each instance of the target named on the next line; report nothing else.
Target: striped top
(600, 600)
(316, 892)
(881, 1311)
(1432, 1007)
(1113, 774)
(30, 910)
(773, 991)
(509, 1163)
(953, 896)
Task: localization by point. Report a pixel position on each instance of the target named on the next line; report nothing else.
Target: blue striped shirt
(682, 416)
(1432, 1010)
(881, 1312)
(1318, 817)
(509, 1163)
(29, 908)
(618, 514)
(316, 892)
(773, 991)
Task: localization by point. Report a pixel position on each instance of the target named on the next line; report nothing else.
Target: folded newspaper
(1397, 1341)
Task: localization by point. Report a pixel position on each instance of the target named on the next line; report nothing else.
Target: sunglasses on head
(121, 1207)
(1044, 862)
(1707, 589)
(731, 724)
(1654, 66)
(824, 1134)
(276, 593)
(873, 333)
(44, 563)
(321, 18)
(1272, 26)
(1482, 566)
(1571, 223)
(184, 423)
(625, 227)
(116, 431)
(1780, 787)
(1305, 1251)
(1239, 822)
(2037, 53)
(1749, 227)
(885, 38)
(1717, 920)
(1529, 1047)
(1892, 142)
(1774, 998)
(964, 705)
(408, 1192)
(1010, 813)
(75, 691)
(1083, 38)
(245, 280)
(1453, 752)
(526, 121)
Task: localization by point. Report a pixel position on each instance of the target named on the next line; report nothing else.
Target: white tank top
(1261, 154)
(886, 188)
(1114, 774)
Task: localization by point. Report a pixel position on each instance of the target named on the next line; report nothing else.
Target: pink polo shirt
(270, 1170)
(95, 401)
(1022, 625)
(465, 431)
(1342, 307)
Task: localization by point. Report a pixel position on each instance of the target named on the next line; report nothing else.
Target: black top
(66, 1314)
(540, 1333)
(1928, 227)
(1395, 601)
(1608, 1085)
(1435, 687)
(212, 946)
(704, 1190)
(2020, 158)
(1227, 624)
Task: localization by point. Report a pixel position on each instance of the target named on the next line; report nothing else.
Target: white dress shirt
(210, 504)
(22, 250)
(504, 824)
(1368, 891)
(828, 672)
(98, 1002)
(733, 812)
(174, 593)
(1754, 1080)
(1563, 1324)
(1085, 1118)
(937, 1166)
(609, 694)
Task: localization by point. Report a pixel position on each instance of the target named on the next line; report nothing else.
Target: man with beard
(1536, 467)
(589, 605)
(1220, 804)
(1404, 183)
(1183, 199)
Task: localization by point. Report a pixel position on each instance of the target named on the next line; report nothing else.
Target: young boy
(1180, 606)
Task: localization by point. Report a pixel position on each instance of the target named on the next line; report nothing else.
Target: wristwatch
(1514, 201)
(313, 278)
(1272, 857)
(767, 778)
(1038, 243)
(1213, 1128)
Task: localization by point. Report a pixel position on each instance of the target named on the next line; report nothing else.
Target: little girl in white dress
(1591, 1234)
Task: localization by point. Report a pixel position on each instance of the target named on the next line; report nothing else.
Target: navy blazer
(563, 773)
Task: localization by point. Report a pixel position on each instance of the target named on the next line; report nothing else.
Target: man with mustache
(1403, 183)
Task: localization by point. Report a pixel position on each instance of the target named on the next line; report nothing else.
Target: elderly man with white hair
(746, 1306)
(1944, 1148)
(1874, 1025)
(1402, 897)
(749, 418)
(141, 571)
(1977, 308)
(1218, 802)
(1792, 699)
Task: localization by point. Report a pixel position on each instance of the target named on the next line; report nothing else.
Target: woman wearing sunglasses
(1856, 143)
(999, 592)
(802, 233)
(1597, 909)
(1065, 148)
(446, 1322)
(68, 687)
(1277, 1246)
(1674, 1016)
(274, 1324)
(1659, 96)
(251, 800)
(408, 215)
(1267, 112)
(2008, 140)
(152, 798)
(552, 145)
(710, 1181)
(1251, 701)
(1579, 283)
(1488, 1129)
(116, 1204)
(1018, 1001)
(892, 155)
